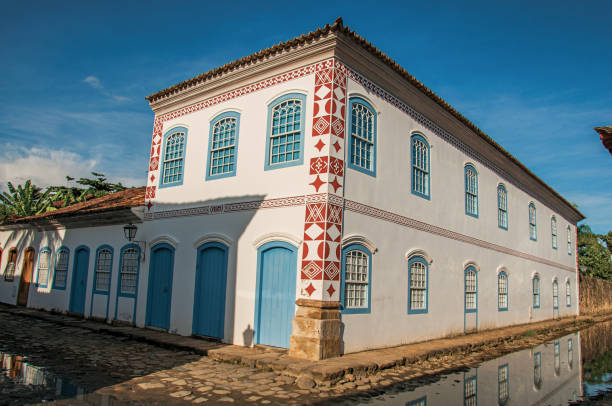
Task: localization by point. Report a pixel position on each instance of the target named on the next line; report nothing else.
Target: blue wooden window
(104, 264)
(420, 166)
(557, 357)
(61, 268)
(555, 294)
(568, 294)
(537, 370)
(503, 385)
(285, 138)
(44, 262)
(502, 291)
(418, 285)
(128, 271)
(362, 144)
(471, 289)
(418, 402)
(502, 207)
(553, 231)
(471, 191)
(536, 292)
(11, 263)
(569, 240)
(533, 231)
(356, 279)
(570, 353)
(470, 391)
(223, 145)
(173, 157)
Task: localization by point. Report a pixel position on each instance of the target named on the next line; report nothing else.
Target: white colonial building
(313, 196)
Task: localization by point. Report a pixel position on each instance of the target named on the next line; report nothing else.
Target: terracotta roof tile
(125, 199)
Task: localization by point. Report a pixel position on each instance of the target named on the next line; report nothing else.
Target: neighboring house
(605, 134)
(316, 196)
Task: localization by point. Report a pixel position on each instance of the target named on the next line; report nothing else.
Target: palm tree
(25, 201)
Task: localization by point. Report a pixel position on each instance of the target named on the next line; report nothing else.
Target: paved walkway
(325, 372)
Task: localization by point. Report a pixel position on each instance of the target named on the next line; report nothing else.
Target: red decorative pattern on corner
(150, 192)
(323, 220)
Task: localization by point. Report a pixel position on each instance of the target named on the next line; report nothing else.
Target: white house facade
(311, 196)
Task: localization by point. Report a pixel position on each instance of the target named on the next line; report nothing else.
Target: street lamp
(129, 231)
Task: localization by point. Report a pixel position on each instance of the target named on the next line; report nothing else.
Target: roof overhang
(605, 134)
(87, 220)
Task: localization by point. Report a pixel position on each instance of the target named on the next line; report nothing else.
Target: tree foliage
(594, 252)
(29, 200)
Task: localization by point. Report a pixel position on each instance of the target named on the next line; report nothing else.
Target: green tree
(62, 196)
(592, 254)
(24, 201)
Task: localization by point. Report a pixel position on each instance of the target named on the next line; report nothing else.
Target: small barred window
(420, 166)
(536, 291)
(362, 136)
(533, 231)
(43, 267)
(418, 285)
(61, 269)
(502, 291)
(173, 158)
(503, 392)
(103, 270)
(285, 139)
(129, 271)
(470, 289)
(502, 207)
(471, 191)
(223, 146)
(356, 280)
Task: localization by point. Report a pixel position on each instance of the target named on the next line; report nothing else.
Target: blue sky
(536, 78)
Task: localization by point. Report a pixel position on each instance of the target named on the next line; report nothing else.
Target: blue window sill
(165, 185)
(355, 311)
(271, 167)
(502, 309)
(472, 214)
(502, 227)
(536, 307)
(369, 172)
(471, 310)
(418, 311)
(419, 194)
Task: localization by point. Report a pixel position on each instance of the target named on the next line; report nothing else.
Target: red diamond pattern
(310, 289)
(330, 290)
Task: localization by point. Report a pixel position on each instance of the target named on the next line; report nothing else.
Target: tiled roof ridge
(131, 197)
(339, 26)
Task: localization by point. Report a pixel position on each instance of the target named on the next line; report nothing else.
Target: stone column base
(316, 330)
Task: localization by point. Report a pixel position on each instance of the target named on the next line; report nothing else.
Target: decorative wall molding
(285, 237)
(354, 207)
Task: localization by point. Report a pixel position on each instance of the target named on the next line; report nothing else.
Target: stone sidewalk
(326, 372)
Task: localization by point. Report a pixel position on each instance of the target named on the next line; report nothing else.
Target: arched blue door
(275, 300)
(79, 280)
(210, 286)
(160, 286)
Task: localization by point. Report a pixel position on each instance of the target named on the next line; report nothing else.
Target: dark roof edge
(339, 27)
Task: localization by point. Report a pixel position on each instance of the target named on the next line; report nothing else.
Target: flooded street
(43, 362)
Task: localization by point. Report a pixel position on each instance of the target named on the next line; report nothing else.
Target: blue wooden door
(79, 280)
(275, 306)
(160, 286)
(209, 298)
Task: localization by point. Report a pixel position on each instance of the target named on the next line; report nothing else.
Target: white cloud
(93, 81)
(96, 83)
(44, 167)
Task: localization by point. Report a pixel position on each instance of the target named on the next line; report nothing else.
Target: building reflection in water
(543, 375)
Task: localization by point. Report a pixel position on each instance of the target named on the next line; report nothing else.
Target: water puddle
(574, 369)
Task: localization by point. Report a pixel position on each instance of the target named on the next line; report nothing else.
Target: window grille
(362, 136)
(553, 231)
(555, 295)
(223, 146)
(569, 240)
(503, 392)
(420, 166)
(129, 271)
(103, 270)
(536, 292)
(568, 294)
(43, 267)
(469, 393)
(502, 207)
(61, 269)
(471, 191)
(173, 158)
(470, 289)
(537, 370)
(356, 280)
(9, 272)
(502, 291)
(557, 358)
(533, 232)
(570, 353)
(285, 139)
(418, 285)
